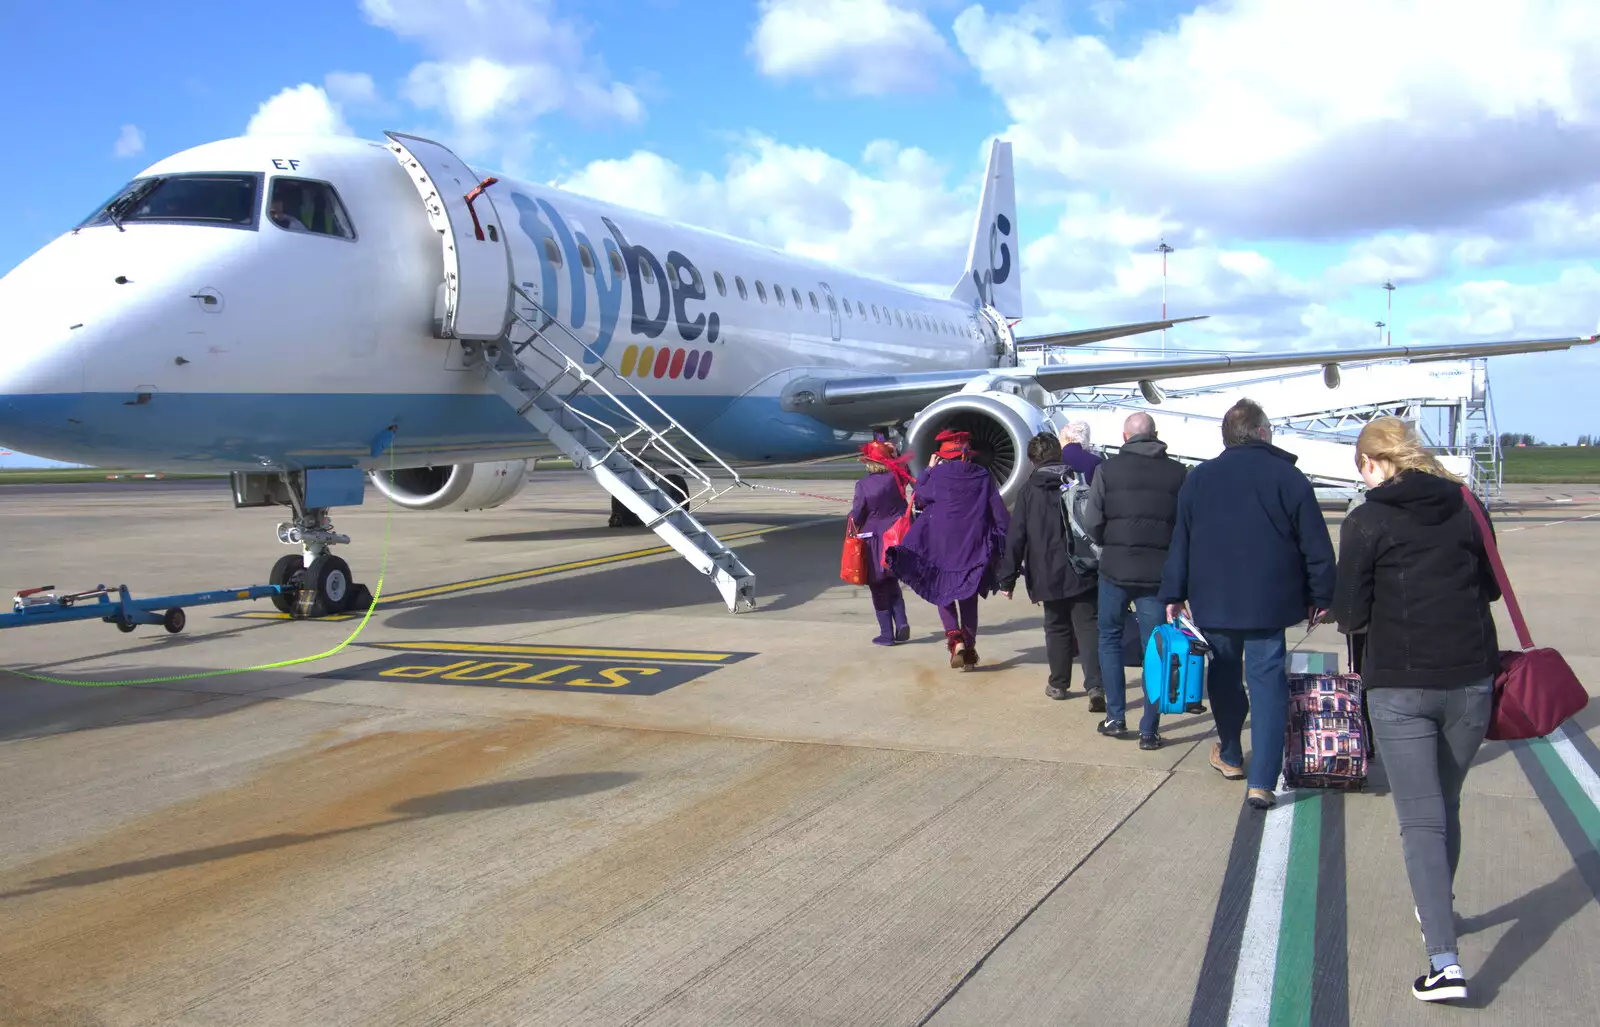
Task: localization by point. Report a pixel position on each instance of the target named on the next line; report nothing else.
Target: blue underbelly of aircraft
(221, 432)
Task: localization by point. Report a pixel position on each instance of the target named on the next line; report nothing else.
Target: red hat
(879, 451)
(952, 444)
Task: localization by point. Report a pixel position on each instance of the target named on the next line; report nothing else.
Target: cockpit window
(204, 199)
(302, 205)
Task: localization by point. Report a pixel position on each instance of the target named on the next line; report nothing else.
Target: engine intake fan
(1001, 425)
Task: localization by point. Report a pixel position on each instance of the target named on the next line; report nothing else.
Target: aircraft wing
(865, 400)
(1085, 336)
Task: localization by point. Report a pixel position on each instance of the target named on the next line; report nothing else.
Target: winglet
(993, 276)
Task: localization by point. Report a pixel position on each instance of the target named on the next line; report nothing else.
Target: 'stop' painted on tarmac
(570, 652)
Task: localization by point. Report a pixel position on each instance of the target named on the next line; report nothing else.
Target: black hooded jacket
(1414, 577)
(1036, 543)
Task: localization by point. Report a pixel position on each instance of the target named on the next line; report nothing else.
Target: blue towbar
(115, 606)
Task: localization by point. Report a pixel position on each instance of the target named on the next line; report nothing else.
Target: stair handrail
(656, 435)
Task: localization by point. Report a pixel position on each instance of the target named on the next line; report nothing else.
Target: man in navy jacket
(1250, 556)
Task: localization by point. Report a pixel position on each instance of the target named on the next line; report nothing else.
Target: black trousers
(1066, 620)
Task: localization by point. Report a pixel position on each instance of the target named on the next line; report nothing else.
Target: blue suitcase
(1175, 668)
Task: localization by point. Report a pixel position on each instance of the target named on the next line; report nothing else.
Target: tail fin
(993, 276)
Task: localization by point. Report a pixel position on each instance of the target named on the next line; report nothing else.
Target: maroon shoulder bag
(1535, 690)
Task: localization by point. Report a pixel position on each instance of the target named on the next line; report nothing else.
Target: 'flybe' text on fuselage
(650, 284)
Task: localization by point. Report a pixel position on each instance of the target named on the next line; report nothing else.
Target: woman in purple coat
(951, 554)
(880, 501)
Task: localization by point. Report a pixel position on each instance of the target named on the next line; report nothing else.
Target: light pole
(1381, 326)
(1388, 287)
(1163, 249)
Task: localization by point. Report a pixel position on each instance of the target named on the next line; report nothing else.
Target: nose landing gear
(318, 583)
(314, 582)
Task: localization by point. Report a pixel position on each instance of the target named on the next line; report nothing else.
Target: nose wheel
(316, 583)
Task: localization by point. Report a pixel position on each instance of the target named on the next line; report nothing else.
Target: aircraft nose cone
(41, 348)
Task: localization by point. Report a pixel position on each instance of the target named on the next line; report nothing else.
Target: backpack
(1082, 553)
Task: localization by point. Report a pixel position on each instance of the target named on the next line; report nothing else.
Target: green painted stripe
(1571, 792)
(1297, 932)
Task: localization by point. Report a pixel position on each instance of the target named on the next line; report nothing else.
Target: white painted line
(1549, 524)
(1258, 949)
(1587, 779)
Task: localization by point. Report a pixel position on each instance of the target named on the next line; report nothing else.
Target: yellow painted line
(263, 615)
(574, 565)
(556, 650)
(538, 572)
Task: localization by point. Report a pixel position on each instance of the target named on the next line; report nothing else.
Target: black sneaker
(1442, 986)
(1148, 742)
(1112, 728)
(1055, 693)
(1097, 701)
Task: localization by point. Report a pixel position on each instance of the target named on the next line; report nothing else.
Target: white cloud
(1499, 309)
(501, 64)
(893, 216)
(866, 46)
(1401, 258)
(351, 88)
(304, 109)
(1231, 118)
(129, 142)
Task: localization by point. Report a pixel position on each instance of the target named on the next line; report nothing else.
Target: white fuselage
(175, 344)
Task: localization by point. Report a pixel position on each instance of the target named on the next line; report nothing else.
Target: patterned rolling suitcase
(1175, 668)
(1329, 740)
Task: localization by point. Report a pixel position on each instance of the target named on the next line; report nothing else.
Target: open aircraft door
(477, 262)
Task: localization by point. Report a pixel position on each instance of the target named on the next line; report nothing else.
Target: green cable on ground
(383, 568)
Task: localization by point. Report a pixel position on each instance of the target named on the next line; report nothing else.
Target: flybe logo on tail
(659, 293)
(999, 260)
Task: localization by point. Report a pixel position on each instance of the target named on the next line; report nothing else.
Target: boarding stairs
(627, 443)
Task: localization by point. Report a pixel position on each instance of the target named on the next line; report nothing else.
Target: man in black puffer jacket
(1036, 547)
(1133, 505)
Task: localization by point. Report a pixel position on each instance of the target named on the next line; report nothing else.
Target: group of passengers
(1239, 544)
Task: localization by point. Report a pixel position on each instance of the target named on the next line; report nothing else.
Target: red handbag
(1535, 691)
(896, 532)
(853, 561)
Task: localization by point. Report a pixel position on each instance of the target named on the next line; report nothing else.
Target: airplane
(310, 313)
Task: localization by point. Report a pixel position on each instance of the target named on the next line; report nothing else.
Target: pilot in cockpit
(283, 199)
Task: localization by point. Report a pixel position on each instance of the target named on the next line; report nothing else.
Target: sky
(1296, 155)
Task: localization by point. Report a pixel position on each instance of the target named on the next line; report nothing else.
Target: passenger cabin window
(200, 199)
(586, 257)
(796, 294)
(849, 311)
(722, 287)
(301, 205)
(738, 281)
(761, 291)
(648, 275)
(814, 308)
(552, 252)
(777, 290)
(616, 263)
(861, 308)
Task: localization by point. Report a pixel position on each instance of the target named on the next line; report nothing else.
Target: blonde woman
(1414, 589)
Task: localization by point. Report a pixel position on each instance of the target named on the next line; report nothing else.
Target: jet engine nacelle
(1001, 426)
(453, 486)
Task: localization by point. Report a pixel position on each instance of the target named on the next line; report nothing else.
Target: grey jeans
(1427, 738)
